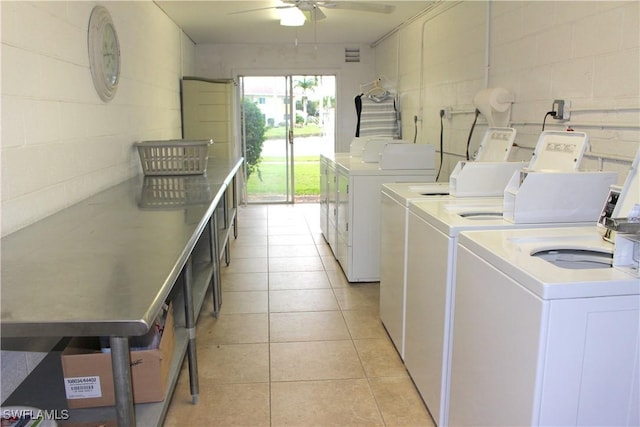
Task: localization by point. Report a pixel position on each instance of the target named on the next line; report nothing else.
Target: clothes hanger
(377, 92)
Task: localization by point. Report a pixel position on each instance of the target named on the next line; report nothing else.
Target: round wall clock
(104, 53)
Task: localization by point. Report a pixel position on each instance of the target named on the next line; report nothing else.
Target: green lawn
(279, 132)
(306, 172)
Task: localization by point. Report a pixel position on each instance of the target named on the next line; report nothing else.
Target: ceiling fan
(313, 8)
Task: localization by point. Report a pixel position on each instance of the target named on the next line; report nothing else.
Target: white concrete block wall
(60, 142)
(582, 51)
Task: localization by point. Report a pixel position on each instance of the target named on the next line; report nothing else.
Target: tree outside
(307, 85)
(255, 135)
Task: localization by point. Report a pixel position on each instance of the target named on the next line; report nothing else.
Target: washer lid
(559, 151)
(496, 145)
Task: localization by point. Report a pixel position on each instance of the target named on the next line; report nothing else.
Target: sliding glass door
(287, 121)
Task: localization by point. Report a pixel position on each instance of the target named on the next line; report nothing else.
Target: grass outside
(280, 132)
(272, 172)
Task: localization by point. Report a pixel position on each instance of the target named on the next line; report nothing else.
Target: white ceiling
(213, 21)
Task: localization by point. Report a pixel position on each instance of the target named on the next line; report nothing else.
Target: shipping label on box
(82, 387)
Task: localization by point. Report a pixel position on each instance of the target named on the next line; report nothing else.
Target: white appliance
(433, 229)
(488, 174)
(557, 151)
(546, 331)
(353, 209)
(394, 214)
(540, 344)
(494, 148)
(551, 196)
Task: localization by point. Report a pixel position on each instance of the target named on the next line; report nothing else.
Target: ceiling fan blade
(356, 5)
(317, 14)
(260, 8)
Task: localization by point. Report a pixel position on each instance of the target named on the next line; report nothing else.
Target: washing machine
(394, 214)
(495, 146)
(483, 179)
(546, 324)
(432, 232)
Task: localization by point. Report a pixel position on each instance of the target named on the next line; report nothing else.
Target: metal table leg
(121, 365)
(235, 206)
(215, 277)
(227, 252)
(191, 328)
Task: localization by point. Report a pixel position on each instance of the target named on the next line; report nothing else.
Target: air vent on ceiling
(351, 54)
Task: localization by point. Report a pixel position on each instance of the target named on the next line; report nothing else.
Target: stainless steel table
(106, 265)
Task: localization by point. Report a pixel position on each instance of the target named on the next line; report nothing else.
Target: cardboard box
(88, 374)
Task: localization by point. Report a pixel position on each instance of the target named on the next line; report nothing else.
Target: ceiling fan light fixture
(292, 17)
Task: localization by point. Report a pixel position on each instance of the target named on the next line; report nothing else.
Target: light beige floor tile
(314, 227)
(246, 265)
(380, 358)
(244, 281)
(282, 219)
(228, 405)
(293, 239)
(308, 326)
(302, 300)
(365, 296)
(234, 363)
(303, 351)
(364, 324)
(324, 403)
(318, 237)
(337, 278)
(245, 213)
(290, 227)
(299, 280)
(400, 402)
(286, 251)
(253, 229)
(285, 211)
(323, 248)
(244, 302)
(252, 211)
(248, 224)
(296, 264)
(233, 329)
(299, 228)
(250, 239)
(248, 251)
(314, 360)
(330, 263)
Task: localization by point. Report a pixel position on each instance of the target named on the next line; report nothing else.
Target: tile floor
(295, 344)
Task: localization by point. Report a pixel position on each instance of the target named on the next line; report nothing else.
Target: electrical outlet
(561, 107)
